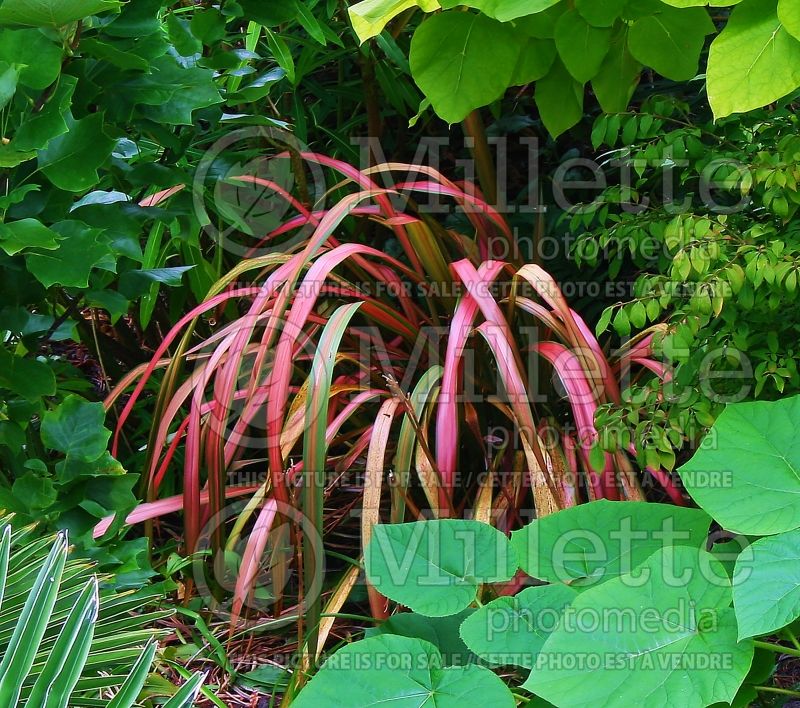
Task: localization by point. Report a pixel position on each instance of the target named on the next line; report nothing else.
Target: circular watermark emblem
(215, 572)
(242, 186)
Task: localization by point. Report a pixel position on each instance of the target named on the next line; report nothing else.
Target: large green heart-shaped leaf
(753, 62)
(595, 542)
(436, 567)
(663, 635)
(535, 59)
(581, 46)
(403, 673)
(51, 13)
(747, 475)
(76, 428)
(513, 630)
(670, 41)
(766, 594)
(448, 61)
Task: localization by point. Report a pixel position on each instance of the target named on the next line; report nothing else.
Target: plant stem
(792, 638)
(777, 648)
(484, 164)
(782, 691)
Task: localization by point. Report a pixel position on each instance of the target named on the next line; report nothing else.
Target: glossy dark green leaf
(16, 236)
(76, 429)
(42, 126)
(38, 56)
(70, 161)
(51, 13)
(26, 376)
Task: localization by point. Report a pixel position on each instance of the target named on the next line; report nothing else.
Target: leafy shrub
(709, 224)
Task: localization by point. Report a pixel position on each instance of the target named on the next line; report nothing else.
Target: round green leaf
(401, 672)
(766, 592)
(581, 46)
(436, 567)
(754, 61)
(593, 543)
(670, 41)
(663, 635)
(748, 478)
(513, 630)
(448, 61)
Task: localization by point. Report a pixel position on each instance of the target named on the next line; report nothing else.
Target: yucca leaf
(185, 695)
(32, 624)
(5, 548)
(68, 655)
(130, 689)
